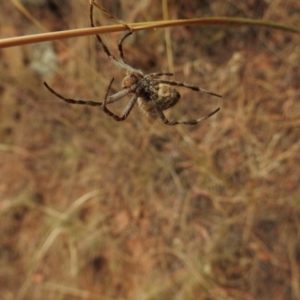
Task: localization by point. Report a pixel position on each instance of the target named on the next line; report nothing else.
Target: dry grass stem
(95, 209)
(43, 37)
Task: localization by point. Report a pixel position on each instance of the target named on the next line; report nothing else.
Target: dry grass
(94, 209)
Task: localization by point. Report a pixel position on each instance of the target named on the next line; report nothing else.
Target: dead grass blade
(43, 37)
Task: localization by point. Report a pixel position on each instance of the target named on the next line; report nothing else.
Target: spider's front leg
(116, 97)
(99, 39)
(120, 46)
(70, 100)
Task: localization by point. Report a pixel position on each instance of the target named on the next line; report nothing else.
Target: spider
(153, 94)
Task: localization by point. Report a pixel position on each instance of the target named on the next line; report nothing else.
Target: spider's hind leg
(194, 88)
(190, 122)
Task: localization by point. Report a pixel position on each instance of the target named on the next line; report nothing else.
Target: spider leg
(190, 122)
(72, 101)
(125, 112)
(158, 74)
(107, 91)
(194, 88)
(120, 47)
(105, 49)
(109, 15)
(110, 99)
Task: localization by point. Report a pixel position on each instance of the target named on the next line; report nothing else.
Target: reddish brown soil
(95, 209)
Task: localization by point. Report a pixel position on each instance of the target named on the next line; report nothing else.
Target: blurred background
(95, 209)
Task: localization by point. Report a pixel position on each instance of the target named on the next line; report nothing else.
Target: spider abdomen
(165, 96)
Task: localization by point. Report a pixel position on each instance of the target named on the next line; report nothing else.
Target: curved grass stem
(42, 37)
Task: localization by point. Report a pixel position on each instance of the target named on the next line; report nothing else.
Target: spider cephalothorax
(153, 94)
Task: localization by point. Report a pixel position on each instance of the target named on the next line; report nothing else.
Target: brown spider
(152, 94)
